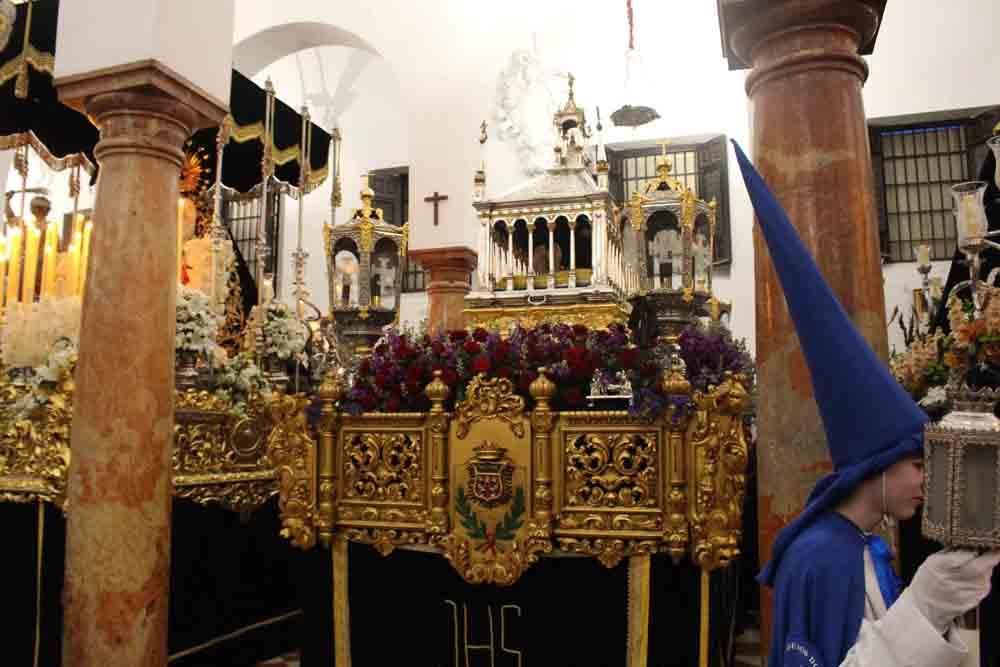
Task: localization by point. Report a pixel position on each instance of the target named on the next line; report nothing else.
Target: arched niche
(255, 52)
(664, 249)
(346, 276)
(584, 242)
(384, 273)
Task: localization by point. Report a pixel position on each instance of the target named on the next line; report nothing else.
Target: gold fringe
(638, 610)
(282, 156)
(341, 606)
(244, 133)
(29, 138)
(232, 635)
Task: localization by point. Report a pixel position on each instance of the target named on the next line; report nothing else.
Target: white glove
(949, 583)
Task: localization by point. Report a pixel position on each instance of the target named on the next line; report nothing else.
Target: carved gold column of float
(293, 453)
(676, 423)
(118, 531)
(810, 138)
(542, 422)
(329, 393)
(438, 421)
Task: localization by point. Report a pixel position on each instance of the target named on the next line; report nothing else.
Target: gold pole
(38, 580)
(703, 635)
(638, 610)
(341, 607)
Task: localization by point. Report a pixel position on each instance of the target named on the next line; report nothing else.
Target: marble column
(810, 143)
(118, 530)
(447, 284)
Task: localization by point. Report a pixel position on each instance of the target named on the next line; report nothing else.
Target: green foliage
(473, 526)
(512, 519)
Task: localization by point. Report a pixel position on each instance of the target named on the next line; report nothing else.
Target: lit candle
(73, 279)
(923, 255)
(49, 260)
(180, 237)
(14, 264)
(84, 261)
(936, 287)
(33, 240)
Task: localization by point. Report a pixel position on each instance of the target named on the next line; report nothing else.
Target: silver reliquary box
(962, 468)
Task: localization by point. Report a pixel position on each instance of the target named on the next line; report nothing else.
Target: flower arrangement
(393, 378)
(197, 323)
(285, 336)
(43, 383)
(238, 379)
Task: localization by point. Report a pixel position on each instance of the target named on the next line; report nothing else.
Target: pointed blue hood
(870, 421)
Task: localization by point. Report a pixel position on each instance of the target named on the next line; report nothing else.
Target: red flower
(472, 347)
(458, 334)
(504, 371)
(502, 349)
(628, 357)
(575, 356)
(414, 374)
(368, 401)
(481, 364)
(413, 388)
(365, 367)
(449, 377)
(526, 379)
(649, 369)
(437, 347)
(381, 379)
(573, 396)
(392, 405)
(580, 329)
(480, 334)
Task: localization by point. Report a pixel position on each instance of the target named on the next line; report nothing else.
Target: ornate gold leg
(438, 421)
(542, 421)
(341, 605)
(638, 610)
(329, 393)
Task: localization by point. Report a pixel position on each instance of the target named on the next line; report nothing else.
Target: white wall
(445, 57)
(930, 57)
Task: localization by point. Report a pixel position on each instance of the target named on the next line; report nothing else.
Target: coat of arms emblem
(491, 476)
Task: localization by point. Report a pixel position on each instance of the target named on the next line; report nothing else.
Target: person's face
(904, 487)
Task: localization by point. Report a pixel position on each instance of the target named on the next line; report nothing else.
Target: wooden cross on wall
(435, 200)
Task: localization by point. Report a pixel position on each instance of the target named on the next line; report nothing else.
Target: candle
(49, 259)
(85, 259)
(935, 287)
(924, 255)
(32, 250)
(14, 263)
(73, 279)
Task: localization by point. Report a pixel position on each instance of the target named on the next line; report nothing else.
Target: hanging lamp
(632, 115)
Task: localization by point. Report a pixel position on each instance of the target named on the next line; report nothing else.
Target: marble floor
(287, 660)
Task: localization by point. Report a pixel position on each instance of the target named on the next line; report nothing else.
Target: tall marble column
(118, 531)
(810, 143)
(448, 272)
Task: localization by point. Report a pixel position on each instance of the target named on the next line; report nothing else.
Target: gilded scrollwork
(504, 569)
(608, 550)
(383, 467)
(34, 453)
(613, 470)
(385, 540)
(720, 450)
(490, 399)
(293, 451)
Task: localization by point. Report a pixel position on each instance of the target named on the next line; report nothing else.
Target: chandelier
(631, 115)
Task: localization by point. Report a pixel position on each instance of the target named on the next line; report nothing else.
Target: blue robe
(819, 595)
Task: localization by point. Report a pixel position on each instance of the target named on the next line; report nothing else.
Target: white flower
(935, 396)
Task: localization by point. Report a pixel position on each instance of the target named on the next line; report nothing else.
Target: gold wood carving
(594, 316)
(720, 451)
(502, 570)
(54, 163)
(614, 470)
(383, 467)
(294, 454)
(220, 457)
(367, 237)
(438, 423)
(490, 399)
(34, 453)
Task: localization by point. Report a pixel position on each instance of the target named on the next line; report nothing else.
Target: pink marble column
(811, 146)
(119, 492)
(448, 272)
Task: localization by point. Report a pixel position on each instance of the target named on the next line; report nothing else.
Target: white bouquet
(197, 324)
(285, 335)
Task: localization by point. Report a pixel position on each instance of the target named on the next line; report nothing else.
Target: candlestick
(49, 260)
(73, 279)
